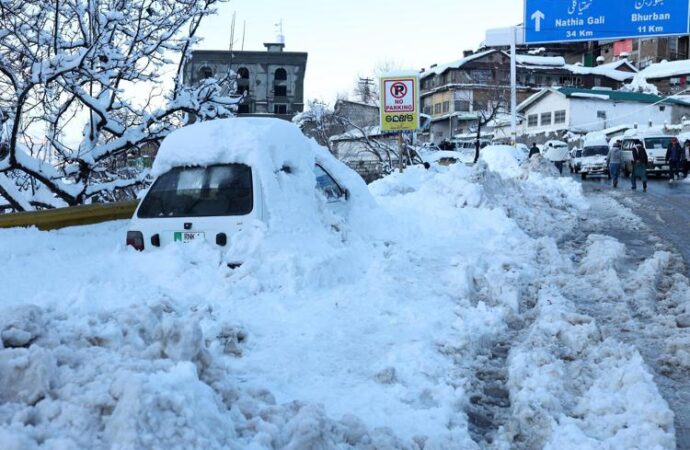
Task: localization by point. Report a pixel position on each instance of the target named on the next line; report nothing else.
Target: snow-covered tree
(99, 65)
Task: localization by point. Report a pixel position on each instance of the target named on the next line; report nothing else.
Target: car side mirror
(346, 192)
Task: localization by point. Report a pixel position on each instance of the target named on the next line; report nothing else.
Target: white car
(593, 161)
(218, 180)
(556, 151)
(655, 142)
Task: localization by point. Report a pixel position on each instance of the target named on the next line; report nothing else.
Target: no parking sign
(399, 103)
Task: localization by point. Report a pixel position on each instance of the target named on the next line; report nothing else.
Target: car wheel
(583, 175)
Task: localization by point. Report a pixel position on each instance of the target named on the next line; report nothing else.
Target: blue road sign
(549, 21)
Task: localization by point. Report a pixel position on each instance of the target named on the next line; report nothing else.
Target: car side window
(327, 185)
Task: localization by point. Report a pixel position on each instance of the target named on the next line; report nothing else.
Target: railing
(52, 219)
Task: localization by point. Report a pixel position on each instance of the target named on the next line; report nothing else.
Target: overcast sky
(348, 38)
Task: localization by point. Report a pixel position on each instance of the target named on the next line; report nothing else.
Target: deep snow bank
(360, 338)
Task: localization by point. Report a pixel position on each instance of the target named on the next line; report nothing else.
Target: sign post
(553, 21)
(400, 109)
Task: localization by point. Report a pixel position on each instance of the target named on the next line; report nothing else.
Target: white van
(216, 179)
(655, 142)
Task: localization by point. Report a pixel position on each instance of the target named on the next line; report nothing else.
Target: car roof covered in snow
(267, 142)
(280, 155)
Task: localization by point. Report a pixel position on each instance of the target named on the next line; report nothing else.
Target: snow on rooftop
(666, 69)
(588, 95)
(533, 60)
(439, 69)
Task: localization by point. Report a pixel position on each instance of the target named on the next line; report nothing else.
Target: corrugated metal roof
(620, 96)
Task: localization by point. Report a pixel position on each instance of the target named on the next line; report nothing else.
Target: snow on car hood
(593, 160)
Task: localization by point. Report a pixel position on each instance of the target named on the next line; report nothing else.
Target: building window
(280, 109)
(281, 91)
(243, 73)
(437, 108)
(545, 119)
(428, 110)
(559, 116)
(280, 75)
(446, 107)
(601, 115)
(532, 120)
(462, 105)
(205, 73)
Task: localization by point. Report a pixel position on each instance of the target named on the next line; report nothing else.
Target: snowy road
(660, 245)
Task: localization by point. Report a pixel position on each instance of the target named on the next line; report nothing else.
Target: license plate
(187, 236)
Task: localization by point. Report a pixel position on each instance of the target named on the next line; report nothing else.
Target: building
(645, 52)
(558, 111)
(455, 95)
(272, 80)
(367, 150)
(668, 77)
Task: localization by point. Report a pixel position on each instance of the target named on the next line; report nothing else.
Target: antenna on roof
(232, 31)
(280, 37)
(244, 32)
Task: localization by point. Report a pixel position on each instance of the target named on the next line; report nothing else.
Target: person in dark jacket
(534, 150)
(686, 162)
(640, 162)
(674, 154)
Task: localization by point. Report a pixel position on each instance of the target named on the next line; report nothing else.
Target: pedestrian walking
(534, 150)
(686, 160)
(673, 158)
(640, 162)
(614, 160)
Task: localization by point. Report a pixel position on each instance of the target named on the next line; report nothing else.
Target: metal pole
(513, 87)
(400, 151)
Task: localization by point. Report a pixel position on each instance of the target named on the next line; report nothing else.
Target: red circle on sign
(398, 90)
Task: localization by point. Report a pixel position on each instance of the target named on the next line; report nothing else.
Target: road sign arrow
(538, 16)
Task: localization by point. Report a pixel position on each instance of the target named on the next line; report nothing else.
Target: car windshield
(657, 143)
(596, 150)
(220, 190)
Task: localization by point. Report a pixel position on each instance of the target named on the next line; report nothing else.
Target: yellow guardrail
(52, 219)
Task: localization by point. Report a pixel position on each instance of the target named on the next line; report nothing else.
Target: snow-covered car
(655, 142)
(556, 151)
(575, 162)
(524, 149)
(593, 161)
(217, 180)
(444, 157)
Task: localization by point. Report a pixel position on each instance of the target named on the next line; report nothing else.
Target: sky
(348, 39)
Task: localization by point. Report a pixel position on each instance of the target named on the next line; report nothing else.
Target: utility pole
(365, 85)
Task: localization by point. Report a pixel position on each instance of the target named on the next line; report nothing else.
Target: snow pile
(579, 389)
(504, 159)
(358, 337)
(583, 391)
(640, 84)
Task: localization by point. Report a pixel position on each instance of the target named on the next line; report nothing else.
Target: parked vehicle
(524, 149)
(575, 162)
(215, 179)
(593, 161)
(556, 151)
(655, 143)
(444, 158)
